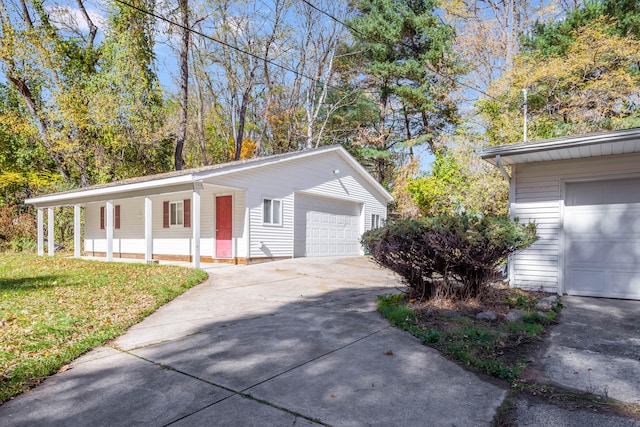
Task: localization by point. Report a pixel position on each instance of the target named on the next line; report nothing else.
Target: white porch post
(195, 223)
(247, 228)
(40, 232)
(148, 229)
(109, 228)
(51, 246)
(363, 224)
(76, 231)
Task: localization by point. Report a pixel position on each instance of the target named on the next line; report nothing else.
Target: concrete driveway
(290, 342)
(595, 347)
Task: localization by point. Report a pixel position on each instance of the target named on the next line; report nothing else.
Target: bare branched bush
(17, 229)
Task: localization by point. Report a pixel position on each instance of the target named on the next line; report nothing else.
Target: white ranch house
(583, 193)
(307, 203)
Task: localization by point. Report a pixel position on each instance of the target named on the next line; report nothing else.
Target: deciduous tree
(591, 86)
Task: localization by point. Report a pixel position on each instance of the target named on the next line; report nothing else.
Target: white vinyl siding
(174, 240)
(539, 197)
(129, 239)
(313, 176)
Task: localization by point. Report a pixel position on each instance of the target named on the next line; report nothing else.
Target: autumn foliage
(17, 229)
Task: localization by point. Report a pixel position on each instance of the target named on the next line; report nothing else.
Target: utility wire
(236, 48)
(356, 30)
(275, 64)
(324, 12)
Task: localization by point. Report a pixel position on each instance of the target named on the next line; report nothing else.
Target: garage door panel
(603, 221)
(622, 253)
(632, 288)
(609, 192)
(587, 282)
(584, 252)
(602, 239)
(325, 227)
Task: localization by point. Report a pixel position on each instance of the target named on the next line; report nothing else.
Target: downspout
(501, 169)
(509, 270)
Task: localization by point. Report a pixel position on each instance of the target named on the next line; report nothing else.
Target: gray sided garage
(326, 227)
(583, 193)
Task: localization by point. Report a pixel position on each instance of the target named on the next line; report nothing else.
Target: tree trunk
(183, 6)
(242, 114)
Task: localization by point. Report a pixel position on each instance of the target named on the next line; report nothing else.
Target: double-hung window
(116, 217)
(176, 213)
(272, 211)
(375, 221)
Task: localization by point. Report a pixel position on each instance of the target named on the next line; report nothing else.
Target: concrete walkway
(290, 342)
(595, 347)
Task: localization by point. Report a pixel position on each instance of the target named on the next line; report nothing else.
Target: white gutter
(116, 188)
(298, 155)
(112, 189)
(561, 143)
(501, 169)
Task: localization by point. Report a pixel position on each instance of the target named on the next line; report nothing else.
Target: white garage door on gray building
(602, 238)
(326, 227)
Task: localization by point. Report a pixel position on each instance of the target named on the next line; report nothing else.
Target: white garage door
(326, 227)
(602, 238)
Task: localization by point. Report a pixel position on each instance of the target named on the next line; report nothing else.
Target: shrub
(17, 229)
(447, 255)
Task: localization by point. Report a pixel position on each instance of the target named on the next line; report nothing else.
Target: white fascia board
(73, 197)
(523, 148)
(299, 155)
(367, 176)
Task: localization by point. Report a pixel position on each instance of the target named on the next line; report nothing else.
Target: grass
(497, 348)
(54, 309)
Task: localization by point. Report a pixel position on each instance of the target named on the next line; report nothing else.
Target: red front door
(224, 226)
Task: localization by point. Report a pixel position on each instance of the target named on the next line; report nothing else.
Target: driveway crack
(233, 392)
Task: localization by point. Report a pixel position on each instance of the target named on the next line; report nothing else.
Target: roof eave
(557, 144)
(74, 196)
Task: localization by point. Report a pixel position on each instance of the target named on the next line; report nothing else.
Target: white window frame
(173, 222)
(272, 220)
(376, 221)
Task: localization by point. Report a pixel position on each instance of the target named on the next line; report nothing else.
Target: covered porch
(150, 222)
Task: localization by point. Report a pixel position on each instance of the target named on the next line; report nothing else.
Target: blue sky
(65, 14)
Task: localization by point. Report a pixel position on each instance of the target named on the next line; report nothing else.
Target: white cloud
(71, 18)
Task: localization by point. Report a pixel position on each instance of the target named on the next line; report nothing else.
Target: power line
(354, 29)
(213, 39)
(324, 12)
(275, 64)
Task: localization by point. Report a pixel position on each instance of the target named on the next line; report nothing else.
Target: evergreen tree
(409, 71)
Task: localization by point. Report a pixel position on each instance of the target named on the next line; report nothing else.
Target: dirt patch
(565, 399)
(508, 355)
(497, 297)
(496, 345)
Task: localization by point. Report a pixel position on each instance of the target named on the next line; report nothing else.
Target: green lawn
(54, 309)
